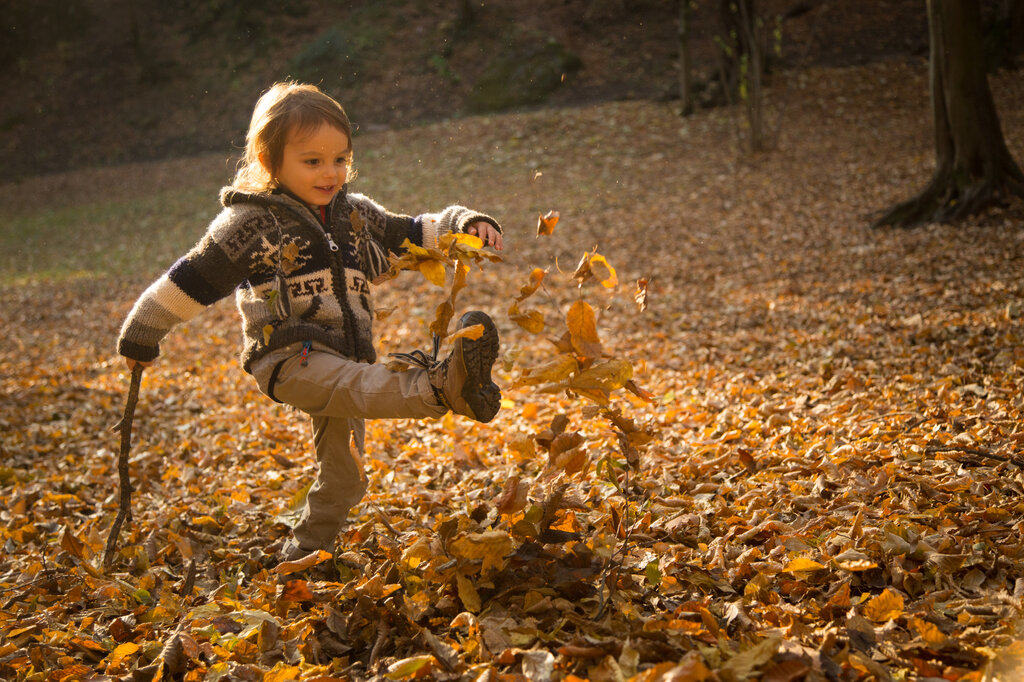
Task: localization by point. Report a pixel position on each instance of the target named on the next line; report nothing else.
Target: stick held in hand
(124, 505)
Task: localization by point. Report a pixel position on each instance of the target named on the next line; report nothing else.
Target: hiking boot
(462, 381)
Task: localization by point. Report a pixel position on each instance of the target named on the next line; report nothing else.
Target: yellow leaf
(267, 331)
(290, 251)
(473, 332)
(801, 564)
(468, 594)
(442, 318)
(410, 668)
(434, 272)
(528, 289)
(884, 607)
(612, 279)
(841, 599)
(470, 240)
(606, 376)
(929, 632)
(122, 652)
(531, 320)
(553, 371)
(283, 672)
(490, 546)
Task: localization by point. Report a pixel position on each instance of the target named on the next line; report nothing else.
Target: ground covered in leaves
(816, 476)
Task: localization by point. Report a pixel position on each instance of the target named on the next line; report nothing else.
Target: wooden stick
(124, 505)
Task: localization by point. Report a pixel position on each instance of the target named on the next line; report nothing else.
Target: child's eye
(341, 161)
(312, 162)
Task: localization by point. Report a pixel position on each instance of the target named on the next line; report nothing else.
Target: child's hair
(283, 109)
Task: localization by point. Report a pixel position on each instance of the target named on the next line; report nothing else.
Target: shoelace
(420, 359)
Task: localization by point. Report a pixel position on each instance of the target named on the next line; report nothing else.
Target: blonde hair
(284, 109)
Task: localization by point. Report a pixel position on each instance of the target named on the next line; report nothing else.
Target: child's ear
(265, 162)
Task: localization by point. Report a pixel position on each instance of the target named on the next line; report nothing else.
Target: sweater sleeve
(210, 271)
(391, 229)
(452, 219)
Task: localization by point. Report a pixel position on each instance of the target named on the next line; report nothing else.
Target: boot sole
(481, 394)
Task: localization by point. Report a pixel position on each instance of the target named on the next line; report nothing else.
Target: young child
(299, 252)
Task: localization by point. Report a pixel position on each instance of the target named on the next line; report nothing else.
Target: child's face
(315, 165)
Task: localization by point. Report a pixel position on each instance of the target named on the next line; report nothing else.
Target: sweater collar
(229, 196)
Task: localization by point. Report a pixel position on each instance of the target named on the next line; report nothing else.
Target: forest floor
(823, 484)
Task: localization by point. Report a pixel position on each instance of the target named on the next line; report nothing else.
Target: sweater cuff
(137, 352)
(479, 218)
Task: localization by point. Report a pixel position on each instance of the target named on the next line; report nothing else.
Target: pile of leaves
(742, 438)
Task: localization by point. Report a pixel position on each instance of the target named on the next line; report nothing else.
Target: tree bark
(974, 167)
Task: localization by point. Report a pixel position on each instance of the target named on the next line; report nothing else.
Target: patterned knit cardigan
(262, 243)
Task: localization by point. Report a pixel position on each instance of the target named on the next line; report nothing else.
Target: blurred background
(99, 82)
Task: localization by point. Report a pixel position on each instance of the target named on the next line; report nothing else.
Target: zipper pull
(330, 242)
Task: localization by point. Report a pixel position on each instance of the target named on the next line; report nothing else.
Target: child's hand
(131, 363)
(487, 233)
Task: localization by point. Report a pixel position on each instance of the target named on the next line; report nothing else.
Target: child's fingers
(487, 233)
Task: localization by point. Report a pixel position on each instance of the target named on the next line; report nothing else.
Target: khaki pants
(338, 394)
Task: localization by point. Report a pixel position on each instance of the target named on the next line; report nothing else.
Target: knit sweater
(295, 279)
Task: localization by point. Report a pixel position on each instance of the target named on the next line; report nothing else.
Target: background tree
(974, 168)
(744, 48)
(685, 61)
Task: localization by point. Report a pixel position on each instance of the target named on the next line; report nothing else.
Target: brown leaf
(513, 496)
(295, 591)
(308, 561)
(640, 295)
(582, 325)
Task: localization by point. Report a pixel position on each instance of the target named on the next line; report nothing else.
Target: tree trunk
(736, 43)
(974, 168)
(685, 67)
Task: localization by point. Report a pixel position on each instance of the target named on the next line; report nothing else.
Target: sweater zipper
(330, 241)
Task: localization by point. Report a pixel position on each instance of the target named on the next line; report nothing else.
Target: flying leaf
(433, 271)
(530, 288)
(531, 320)
(308, 561)
(546, 223)
(473, 332)
(446, 309)
(289, 256)
(606, 376)
(640, 296)
(612, 279)
(582, 324)
(513, 496)
(553, 371)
